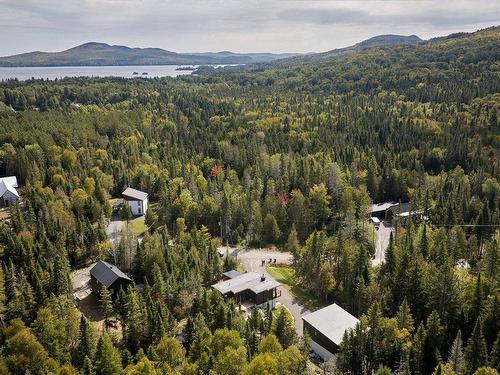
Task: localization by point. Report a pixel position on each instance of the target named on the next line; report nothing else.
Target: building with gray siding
(327, 327)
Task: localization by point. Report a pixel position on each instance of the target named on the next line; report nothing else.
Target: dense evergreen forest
(291, 155)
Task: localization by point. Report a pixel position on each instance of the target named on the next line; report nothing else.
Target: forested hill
(456, 68)
(376, 41)
(98, 54)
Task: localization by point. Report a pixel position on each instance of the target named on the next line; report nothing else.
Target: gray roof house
(250, 286)
(401, 209)
(134, 194)
(8, 192)
(387, 210)
(327, 327)
(137, 201)
(107, 275)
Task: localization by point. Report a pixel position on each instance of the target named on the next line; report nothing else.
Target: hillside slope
(456, 68)
(376, 41)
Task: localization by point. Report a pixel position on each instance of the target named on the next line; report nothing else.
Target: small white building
(8, 192)
(327, 327)
(137, 201)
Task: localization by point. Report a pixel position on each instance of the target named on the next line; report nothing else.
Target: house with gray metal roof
(257, 288)
(107, 275)
(327, 327)
(8, 192)
(137, 201)
(388, 210)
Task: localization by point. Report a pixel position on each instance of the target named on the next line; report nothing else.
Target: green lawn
(138, 226)
(285, 275)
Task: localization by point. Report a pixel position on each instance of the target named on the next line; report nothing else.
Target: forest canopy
(288, 154)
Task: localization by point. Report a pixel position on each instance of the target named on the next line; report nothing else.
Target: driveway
(80, 281)
(252, 260)
(383, 235)
(114, 228)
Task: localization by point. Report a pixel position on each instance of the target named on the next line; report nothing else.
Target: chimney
(263, 277)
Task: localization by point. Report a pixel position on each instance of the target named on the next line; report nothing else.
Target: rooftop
(107, 274)
(332, 321)
(395, 207)
(5, 186)
(9, 180)
(232, 274)
(382, 206)
(135, 194)
(252, 281)
(402, 209)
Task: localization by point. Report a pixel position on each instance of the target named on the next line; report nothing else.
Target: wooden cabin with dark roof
(107, 275)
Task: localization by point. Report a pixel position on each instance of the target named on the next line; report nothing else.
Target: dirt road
(383, 234)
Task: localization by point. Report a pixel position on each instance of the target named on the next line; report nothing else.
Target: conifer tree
(201, 349)
(121, 309)
(189, 333)
(417, 359)
(477, 303)
(86, 344)
(88, 367)
(268, 319)
(495, 354)
(491, 323)
(424, 242)
(60, 277)
(2, 295)
(456, 357)
(433, 342)
(135, 319)
(108, 360)
(390, 258)
(284, 328)
(476, 353)
(106, 307)
(404, 317)
(139, 259)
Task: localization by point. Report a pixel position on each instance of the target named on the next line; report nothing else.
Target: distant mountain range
(101, 54)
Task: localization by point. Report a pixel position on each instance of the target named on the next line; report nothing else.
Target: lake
(53, 72)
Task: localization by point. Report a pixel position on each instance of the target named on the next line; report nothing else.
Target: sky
(235, 25)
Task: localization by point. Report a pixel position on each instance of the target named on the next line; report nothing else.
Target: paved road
(383, 234)
(252, 260)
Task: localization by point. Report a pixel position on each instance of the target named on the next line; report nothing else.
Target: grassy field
(138, 226)
(285, 275)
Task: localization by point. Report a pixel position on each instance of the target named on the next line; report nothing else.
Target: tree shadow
(89, 306)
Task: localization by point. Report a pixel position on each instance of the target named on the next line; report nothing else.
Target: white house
(327, 327)
(137, 201)
(8, 192)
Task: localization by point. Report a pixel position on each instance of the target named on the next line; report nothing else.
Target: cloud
(323, 16)
(239, 25)
(415, 13)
